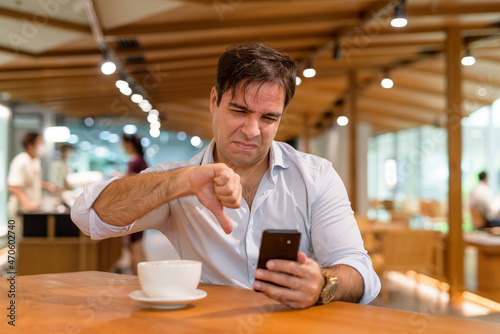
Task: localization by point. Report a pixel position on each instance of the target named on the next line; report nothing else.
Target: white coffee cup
(169, 279)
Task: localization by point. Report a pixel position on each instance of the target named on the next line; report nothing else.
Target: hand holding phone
(278, 244)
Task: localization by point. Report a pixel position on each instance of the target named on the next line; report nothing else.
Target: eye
(239, 111)
(270, 119)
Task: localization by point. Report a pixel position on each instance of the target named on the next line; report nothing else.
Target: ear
(213, 100)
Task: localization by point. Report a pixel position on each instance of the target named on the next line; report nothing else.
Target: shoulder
(301, 160)
(22, 158)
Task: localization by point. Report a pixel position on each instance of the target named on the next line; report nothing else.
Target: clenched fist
(216, 186)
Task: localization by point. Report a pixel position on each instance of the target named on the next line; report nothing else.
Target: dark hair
(136, 142)
(249, 63)
(482, 176)
(66, 147)
(30, 138)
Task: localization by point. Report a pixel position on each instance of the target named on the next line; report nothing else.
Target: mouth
(245, 145)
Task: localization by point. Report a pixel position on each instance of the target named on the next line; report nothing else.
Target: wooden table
(98, 302)
(488, 259)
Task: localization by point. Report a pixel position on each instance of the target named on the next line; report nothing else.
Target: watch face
(329, 294)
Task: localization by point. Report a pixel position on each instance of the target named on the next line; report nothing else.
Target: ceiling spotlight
(145, 105)
(468, 59)
(108, 68)
(298, 81)
(399, 19)
(387, 83)
(121, 84)
(155, 124)
(136, 98)
(342, 120)
(126, 91)
(152, 118)
(309, 71)
(154, 132)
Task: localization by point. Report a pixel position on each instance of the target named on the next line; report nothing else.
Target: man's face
(244, 128)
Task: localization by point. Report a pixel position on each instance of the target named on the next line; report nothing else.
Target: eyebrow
(272, 114)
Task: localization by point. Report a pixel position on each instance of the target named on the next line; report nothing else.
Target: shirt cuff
(371, 281)
(101, 230)
(98, 229)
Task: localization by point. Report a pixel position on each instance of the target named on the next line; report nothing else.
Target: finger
(285, 280)
(224, 175)
(229, 195)
(223, 219)
(302, 258)
(285, 296)
(286, 266)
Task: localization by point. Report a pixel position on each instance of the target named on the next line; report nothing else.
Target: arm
(127, 199)
(25, 202)
(49, 186)
(303, 282)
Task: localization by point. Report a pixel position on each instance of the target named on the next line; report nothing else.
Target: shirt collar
(276, 156)
(208, 156)
(276, 159)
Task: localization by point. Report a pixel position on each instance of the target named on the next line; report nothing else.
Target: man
(25, 177)
(481, 198)
(215, 207)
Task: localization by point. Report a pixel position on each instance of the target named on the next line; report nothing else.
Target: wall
(5, 116)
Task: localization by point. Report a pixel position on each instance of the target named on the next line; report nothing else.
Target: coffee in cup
(169, 279)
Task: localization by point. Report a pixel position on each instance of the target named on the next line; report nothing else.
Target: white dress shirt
(481, 197)
(25, 172)
(299, 191)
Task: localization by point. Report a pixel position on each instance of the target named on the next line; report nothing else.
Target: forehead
(268, 92)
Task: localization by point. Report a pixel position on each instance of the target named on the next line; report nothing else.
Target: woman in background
(132, 146)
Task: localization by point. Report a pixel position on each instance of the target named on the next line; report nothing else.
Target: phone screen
(278, 244)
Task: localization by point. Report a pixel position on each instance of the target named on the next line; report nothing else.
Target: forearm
(20, 195)
(127, 199)
(351, 286)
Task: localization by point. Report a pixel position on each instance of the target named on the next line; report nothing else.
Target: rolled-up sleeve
(335, 234)
(87, 220)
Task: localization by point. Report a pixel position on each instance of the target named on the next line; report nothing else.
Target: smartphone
(278, 244)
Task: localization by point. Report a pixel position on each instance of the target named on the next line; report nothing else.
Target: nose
(250, 128)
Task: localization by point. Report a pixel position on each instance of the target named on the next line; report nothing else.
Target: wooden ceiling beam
(43, 18)
(200, 26)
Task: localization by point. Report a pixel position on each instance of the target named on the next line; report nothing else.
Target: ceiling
(51, 56)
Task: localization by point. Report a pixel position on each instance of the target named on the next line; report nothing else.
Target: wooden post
(353, 107)
(454, 114)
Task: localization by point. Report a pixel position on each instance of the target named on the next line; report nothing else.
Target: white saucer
(167, 303)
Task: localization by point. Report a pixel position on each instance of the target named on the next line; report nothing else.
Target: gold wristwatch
(328, 292)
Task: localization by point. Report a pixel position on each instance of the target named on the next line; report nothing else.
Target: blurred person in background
(133, 242)
(25, 177)
(59, 169)
(481, 198)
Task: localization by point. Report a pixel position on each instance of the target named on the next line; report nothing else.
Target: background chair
(403, 250)
(477, 218)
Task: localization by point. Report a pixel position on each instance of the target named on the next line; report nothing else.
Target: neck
(31, 153)
(245, 171)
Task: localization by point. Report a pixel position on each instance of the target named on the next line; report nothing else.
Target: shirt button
(253, 264)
